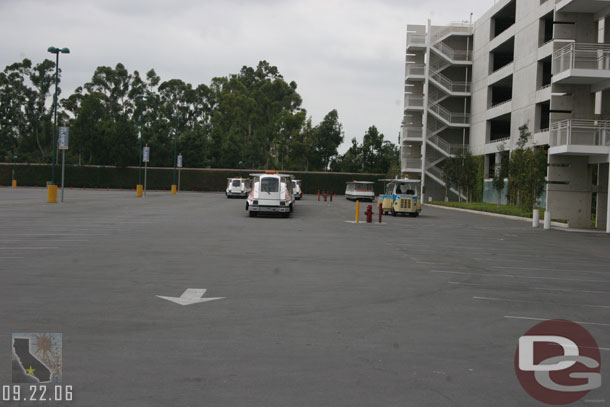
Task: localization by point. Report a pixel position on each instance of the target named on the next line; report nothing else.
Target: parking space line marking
(540, 302)
(513, 276)
(28, 248)
(428, 262)
(12, 257)
(548, 269)
(532, 288)
(60, 234)
(547, 319)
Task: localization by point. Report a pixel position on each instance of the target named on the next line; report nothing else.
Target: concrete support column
(608, 202)
(601, 217)
(571, 201)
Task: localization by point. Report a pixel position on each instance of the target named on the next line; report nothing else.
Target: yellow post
(14, 183)
(174, 189)
(139, 190)
(357, 211)
(52, 193)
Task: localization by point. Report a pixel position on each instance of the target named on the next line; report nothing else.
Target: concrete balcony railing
(412, 102)
(580, 133)
(412, 133)
(415, 70)
(581, 63)
(411, 163)
(416, 40)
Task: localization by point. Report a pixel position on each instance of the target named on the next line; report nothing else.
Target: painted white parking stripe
(28, 248)
(532, 288)
(541, 302)
(514, 276)
(551, 269)
(548, 319)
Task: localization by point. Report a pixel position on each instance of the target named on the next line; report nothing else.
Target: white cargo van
(296, 189)
(271, 193)
(239, 187)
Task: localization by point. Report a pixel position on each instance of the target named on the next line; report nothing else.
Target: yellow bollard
(139, 190)
(52, 193)
(357, 211)
(174, 189)
(14, 183)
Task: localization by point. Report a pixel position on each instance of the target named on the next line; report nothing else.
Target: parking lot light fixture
(56, 51)
(139, 188)
(174, 188)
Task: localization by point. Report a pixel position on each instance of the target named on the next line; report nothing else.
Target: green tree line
(525, 168)
(252, 119)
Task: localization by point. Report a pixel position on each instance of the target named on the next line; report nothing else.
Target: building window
(546, 29)
(499, 128)
(544, 72)
(501, 92)
(502, 55)
(503, 19)
(543, 116)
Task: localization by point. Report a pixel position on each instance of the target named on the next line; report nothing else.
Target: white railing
(416, 39)
(580, 132)
(451, 86)
(448, 116)
(415, 69)
(454, 55)
(498, 140)
(440, 143)
(439, 64)
(446, 147)
(500, 103)
(436, 96)
(581, 56)
(435, 171)
(414, 101)
(457, 28)
(435, 127)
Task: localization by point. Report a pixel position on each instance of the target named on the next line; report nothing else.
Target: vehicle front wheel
(253, 214)
(393, 212)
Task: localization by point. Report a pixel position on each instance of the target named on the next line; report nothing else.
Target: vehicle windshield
(236, 182)
(364, 187)
(407, 189)
(270, 184)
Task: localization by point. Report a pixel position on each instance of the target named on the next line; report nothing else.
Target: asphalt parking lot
(316, 311)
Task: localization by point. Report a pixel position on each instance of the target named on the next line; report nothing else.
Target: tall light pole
(140, 187)
(52, 194)
(177, 117)
(14, 180)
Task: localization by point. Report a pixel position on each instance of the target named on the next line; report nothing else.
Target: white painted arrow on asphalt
(191, 296)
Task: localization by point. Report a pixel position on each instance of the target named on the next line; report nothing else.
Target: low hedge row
(198, 179)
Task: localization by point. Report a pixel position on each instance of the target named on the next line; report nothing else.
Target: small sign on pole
(64, 138)
(145, 159)
(63, 142)
(179, 164)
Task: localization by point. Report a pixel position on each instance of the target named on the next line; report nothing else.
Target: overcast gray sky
(343, 54)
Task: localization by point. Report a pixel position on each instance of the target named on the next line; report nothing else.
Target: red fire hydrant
(369, 213)
(318, 195)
